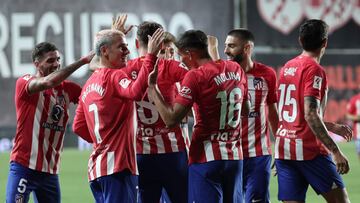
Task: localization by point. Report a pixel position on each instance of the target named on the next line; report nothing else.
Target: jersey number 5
(287, 100)
(234, 96)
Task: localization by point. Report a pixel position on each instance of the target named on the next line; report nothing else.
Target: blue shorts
(216, 181)
(22, 181)
(256, 176)
(167, 171)
(294, 177)
(117, 187)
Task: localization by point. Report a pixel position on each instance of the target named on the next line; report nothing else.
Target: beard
(238, 58)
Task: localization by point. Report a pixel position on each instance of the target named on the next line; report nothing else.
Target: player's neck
(247, 65)
(314, 55)
(142, 51)
(202, 61)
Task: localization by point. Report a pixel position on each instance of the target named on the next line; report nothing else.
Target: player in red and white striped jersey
(42, 101)
(106, 117)
(353, 114)
(161, 152)
(152, 135)
(217, 91)
(302, 140)
(255, 138)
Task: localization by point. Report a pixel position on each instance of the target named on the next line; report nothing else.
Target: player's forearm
(165, 110)
(316, 125)
(138, 88)
(81, 129)
(54, 78)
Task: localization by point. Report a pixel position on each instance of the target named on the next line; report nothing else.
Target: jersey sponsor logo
(53, 126)
(185, 92)
(225, 136)
(124, 83)
(290, 71)
(317, 82)
(286, 132)
(258, 83)
(56, 113)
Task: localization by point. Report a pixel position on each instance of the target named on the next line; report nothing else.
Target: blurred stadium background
(71, 25)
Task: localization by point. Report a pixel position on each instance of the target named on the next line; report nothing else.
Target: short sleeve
(175, 70)
(188, 90)
(272, 93)
(315, 82)
(73, 90)
(22, 84)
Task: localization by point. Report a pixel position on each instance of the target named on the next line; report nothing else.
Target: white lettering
(49, 19)
(4, 64)
(20, 43)
(180, 20)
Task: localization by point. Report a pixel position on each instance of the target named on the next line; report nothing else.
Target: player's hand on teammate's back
(342, 163)
(155, 41)
(119, 24)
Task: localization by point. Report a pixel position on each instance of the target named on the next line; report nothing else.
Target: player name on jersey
(223, 77)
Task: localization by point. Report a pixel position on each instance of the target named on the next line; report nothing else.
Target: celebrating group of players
(135, 115)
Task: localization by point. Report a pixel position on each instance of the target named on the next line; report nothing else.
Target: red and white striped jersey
(353, 108)
(152, 135)
(255, 138)
(300, 77)
(106, 117)
(41, 122)
(217, 90)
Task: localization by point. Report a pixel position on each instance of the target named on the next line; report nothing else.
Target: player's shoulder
(25, 78)
(69, 85)
(263, 69)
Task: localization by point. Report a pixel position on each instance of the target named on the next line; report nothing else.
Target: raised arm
(119, 24)
(55, 78)
(213, 49)
(312, 117)
(135, 90)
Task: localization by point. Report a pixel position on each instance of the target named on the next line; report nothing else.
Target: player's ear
(324, 43)
(137, 44)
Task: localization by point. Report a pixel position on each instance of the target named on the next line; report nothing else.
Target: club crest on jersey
(19, 198)
(60, 100)
(185, 92)
(290, 71)
(258, 83)
(317, 82)
(124, 83)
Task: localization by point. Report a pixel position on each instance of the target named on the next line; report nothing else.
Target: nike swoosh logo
(256, 200)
